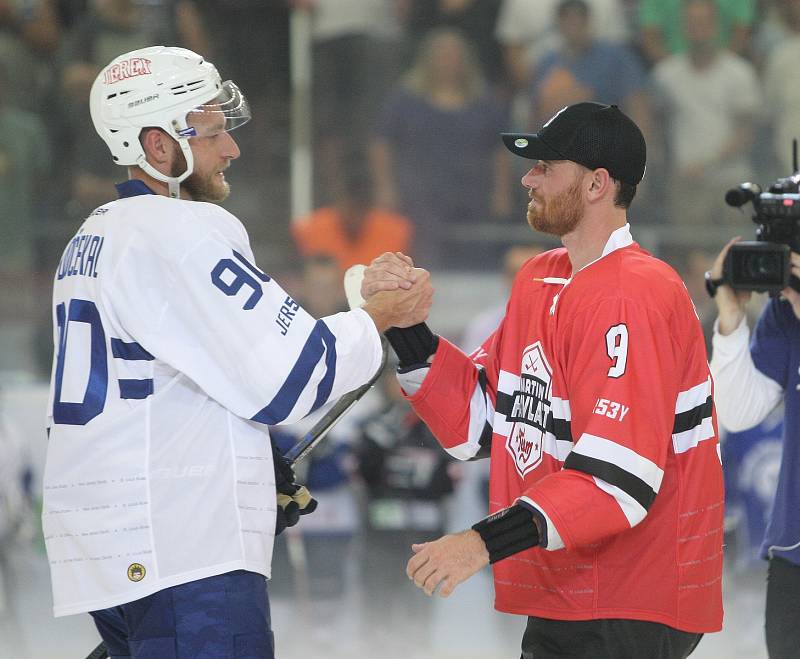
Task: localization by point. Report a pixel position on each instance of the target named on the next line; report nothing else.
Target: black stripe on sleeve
(485, 439)
(693, 417)
(613, 475)
(561, 428)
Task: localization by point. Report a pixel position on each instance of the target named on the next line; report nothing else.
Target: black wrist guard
(413, 345)
(508, 531)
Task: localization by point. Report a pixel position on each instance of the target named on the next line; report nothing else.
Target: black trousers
(783, 609)
(605, 639)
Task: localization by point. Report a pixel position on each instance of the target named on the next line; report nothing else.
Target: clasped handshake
(397, 294)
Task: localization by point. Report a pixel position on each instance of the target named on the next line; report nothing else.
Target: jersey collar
(132, 188)
(618, 239)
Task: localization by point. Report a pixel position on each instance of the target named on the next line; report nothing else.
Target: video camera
(763, 265)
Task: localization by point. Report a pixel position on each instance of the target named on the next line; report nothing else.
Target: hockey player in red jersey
(594, 401)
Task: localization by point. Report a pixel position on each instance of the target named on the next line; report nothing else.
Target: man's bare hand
(401, 307)
(730, 303)
(389, 272)
(447, 562)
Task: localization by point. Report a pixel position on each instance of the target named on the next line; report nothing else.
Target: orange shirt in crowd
(322, 233)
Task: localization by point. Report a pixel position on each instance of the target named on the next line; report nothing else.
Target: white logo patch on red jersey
(529, 410)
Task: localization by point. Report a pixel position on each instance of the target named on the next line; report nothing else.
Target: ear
(158, 146)
(600, 185)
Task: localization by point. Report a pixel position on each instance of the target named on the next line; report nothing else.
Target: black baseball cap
(590, 134)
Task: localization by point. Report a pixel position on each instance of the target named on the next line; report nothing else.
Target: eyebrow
(213, 126)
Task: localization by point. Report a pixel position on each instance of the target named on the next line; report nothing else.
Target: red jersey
(594, 399)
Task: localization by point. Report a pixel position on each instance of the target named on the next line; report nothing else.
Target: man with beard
(593, 401)
(173, 353)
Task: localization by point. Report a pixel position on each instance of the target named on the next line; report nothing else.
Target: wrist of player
(381, 315)
(412, 345)
(508, 532)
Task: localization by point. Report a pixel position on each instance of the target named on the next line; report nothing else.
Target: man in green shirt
(661, 24)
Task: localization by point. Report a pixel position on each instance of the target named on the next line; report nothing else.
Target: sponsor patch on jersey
(136, 572)
(529, 410)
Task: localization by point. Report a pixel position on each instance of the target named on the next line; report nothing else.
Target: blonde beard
(199, 187)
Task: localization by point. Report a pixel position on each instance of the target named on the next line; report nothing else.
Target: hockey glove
(293, 499)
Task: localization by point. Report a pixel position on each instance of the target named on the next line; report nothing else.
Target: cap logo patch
(129, 68)
(520, 143)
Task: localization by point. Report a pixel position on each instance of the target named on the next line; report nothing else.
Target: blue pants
(221, 617)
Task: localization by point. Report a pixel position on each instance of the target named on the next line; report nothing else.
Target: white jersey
(173, 352)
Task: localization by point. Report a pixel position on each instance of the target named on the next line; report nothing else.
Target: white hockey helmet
(160, 86)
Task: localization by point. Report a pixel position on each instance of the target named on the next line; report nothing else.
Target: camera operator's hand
(731, 304)
(789, 293)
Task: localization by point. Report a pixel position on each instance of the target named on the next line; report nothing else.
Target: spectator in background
(436, 148)
(781, 90)
(353, 229)
(355, 51)
(662, 26)
(24, 165)
(29, 36)
(108, 29)
(583, 68)
(708, 99)
(475, 19)
(772, 28)
(526, 29)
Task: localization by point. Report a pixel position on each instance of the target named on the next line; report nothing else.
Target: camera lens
(762, 266)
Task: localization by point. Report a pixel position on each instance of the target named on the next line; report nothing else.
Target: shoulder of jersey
(551, 263)
(165, 219)
(631, 272)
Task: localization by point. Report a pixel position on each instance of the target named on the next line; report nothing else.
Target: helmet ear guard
(160, 87)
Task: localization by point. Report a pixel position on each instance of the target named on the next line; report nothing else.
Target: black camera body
(764, 264)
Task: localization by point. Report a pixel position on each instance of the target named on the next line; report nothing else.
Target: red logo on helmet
(130, 68)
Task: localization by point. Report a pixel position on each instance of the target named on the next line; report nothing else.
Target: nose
(528, 179)
(231, 150)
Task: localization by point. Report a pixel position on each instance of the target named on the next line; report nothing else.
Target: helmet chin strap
(173, 182)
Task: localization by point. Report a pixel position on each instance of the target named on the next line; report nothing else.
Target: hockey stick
(332, 416)
(352, 285)
(352, 288)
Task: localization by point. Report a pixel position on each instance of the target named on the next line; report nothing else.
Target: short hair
(624, 194)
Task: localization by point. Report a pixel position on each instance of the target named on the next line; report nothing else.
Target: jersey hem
(625, 614)
(161, 584)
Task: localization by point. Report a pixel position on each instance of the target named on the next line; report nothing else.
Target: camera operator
(751, 378)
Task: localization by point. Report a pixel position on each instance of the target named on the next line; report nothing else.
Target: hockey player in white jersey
(173, 351)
